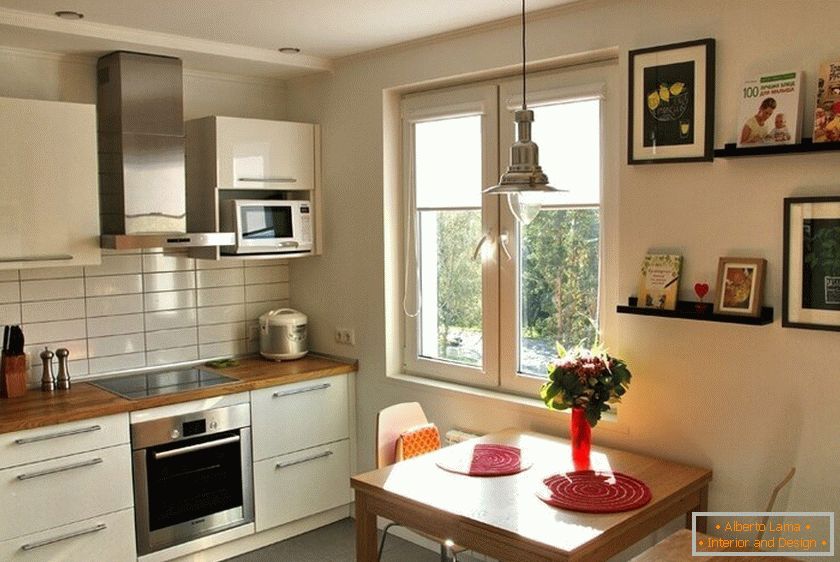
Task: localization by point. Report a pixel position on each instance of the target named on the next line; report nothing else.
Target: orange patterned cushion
(417, 441)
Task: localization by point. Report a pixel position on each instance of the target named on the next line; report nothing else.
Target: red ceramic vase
(581, 436)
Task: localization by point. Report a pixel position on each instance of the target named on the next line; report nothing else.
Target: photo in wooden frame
(740, 286)
(672, 103)
(811, 267)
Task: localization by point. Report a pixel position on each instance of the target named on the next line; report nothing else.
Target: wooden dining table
(503, 517)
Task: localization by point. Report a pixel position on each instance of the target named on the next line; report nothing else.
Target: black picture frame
(811, 264)
(671, 108)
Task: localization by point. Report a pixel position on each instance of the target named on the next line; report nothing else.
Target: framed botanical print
(672, 103)
(740, 286)
(811, 268)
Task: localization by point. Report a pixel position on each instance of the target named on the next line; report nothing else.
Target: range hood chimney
(142, 182)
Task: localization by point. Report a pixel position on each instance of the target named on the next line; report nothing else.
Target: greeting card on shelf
(827, 111)
(660, 281)
(771, 110)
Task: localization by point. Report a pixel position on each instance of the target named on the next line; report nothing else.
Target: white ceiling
(325, 29)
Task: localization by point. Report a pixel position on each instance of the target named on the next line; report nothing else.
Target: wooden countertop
(83, 400)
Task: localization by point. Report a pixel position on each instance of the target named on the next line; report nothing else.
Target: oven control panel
(165, 430)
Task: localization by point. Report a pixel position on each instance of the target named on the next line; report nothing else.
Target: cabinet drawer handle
(301, 461)
(270, 180)
(58, 434)
(282, 393)
(31, 475)
(44, 257)
(45, 542)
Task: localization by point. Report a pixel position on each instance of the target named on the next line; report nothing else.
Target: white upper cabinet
(49, 205)
(260, 154)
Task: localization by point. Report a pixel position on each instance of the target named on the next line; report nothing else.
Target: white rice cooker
(283, 334)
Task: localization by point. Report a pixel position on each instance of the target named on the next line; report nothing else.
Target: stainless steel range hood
(142, 183)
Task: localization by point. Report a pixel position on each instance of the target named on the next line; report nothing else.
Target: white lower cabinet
(108, 537)
(293, 486)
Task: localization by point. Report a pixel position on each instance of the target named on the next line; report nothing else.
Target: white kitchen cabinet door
(108, 537)
(262, 154)
(63, 490)
(296, 416)
(49, 201)
(300, 484)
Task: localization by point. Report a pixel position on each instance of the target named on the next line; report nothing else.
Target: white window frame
(500, 302)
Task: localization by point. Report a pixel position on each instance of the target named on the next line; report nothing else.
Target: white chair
(391, 422)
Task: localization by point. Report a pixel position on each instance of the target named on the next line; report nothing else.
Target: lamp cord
(524, 103)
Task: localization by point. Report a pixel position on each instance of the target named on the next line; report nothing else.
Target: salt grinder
(63, 380)
(47, 379)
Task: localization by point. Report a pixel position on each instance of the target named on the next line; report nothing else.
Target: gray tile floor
(336, 543)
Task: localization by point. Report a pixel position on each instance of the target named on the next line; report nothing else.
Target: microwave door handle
(270, 180)
(290, 244)
(192, 448)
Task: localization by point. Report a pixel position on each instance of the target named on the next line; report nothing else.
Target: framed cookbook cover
(672, 103)
(659, 281)
(811, 267)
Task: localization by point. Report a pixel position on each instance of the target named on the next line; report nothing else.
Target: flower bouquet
(588, 381)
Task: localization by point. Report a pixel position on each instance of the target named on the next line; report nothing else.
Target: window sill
(533, 405)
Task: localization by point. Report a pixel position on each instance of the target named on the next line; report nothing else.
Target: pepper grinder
(63, 379)
(47, 379)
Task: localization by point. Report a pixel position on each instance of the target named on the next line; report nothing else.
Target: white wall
(746, 401)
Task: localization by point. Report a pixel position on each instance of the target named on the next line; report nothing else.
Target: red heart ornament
(701, 289)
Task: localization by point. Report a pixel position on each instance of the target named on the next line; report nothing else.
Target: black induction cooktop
(144, 385)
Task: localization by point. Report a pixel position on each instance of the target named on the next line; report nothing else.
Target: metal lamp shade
(524, 174)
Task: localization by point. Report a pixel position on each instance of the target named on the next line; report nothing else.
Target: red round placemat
(594, 492)
(486, 459)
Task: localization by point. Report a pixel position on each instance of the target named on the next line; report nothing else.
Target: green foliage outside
(559, 278)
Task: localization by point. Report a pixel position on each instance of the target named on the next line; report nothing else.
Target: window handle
(483, 240)
(503, 242)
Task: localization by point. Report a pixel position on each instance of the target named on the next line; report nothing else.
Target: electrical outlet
(345, 336)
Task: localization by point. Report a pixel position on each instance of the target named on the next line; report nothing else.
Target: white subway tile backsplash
(116, 265)
(167, 339)
(53, 310)
(266, 292)
(263, 263)
(267, 274)
(9, 292)
(253, 310)
(77, 349)
(109, 306)
(9, 275)
(169, 301)
(223, 349)
(221, 314)
(219, 264)
(169, 356)
(220, 277)
(117, 363)
(9, 314)
(78, 372)
(177, 281)
(221, 295)
(52, 289)
(115, 325)
(167, 262)
(222, 332)
(50, 273)
(168, 319)
(113, 285)
(47, 332)
(115, 345)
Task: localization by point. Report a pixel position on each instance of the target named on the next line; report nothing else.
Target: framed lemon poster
(672, 103)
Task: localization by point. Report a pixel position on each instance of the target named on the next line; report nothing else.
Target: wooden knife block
(12, 376)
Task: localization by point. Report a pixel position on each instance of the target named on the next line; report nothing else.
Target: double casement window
(487, 296)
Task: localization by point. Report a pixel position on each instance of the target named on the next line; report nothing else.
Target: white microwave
(267, 226)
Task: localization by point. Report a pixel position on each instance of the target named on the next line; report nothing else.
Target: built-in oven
(192, 475)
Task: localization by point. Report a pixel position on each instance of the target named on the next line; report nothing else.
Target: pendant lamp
(524, 175)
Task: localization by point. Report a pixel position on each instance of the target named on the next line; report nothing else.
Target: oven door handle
(198, 447)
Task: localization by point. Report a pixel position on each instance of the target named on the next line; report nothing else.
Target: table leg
(365, 530)
(702, 506)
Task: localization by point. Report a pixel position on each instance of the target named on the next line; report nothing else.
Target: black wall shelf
(689, 310)
(730, 150)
